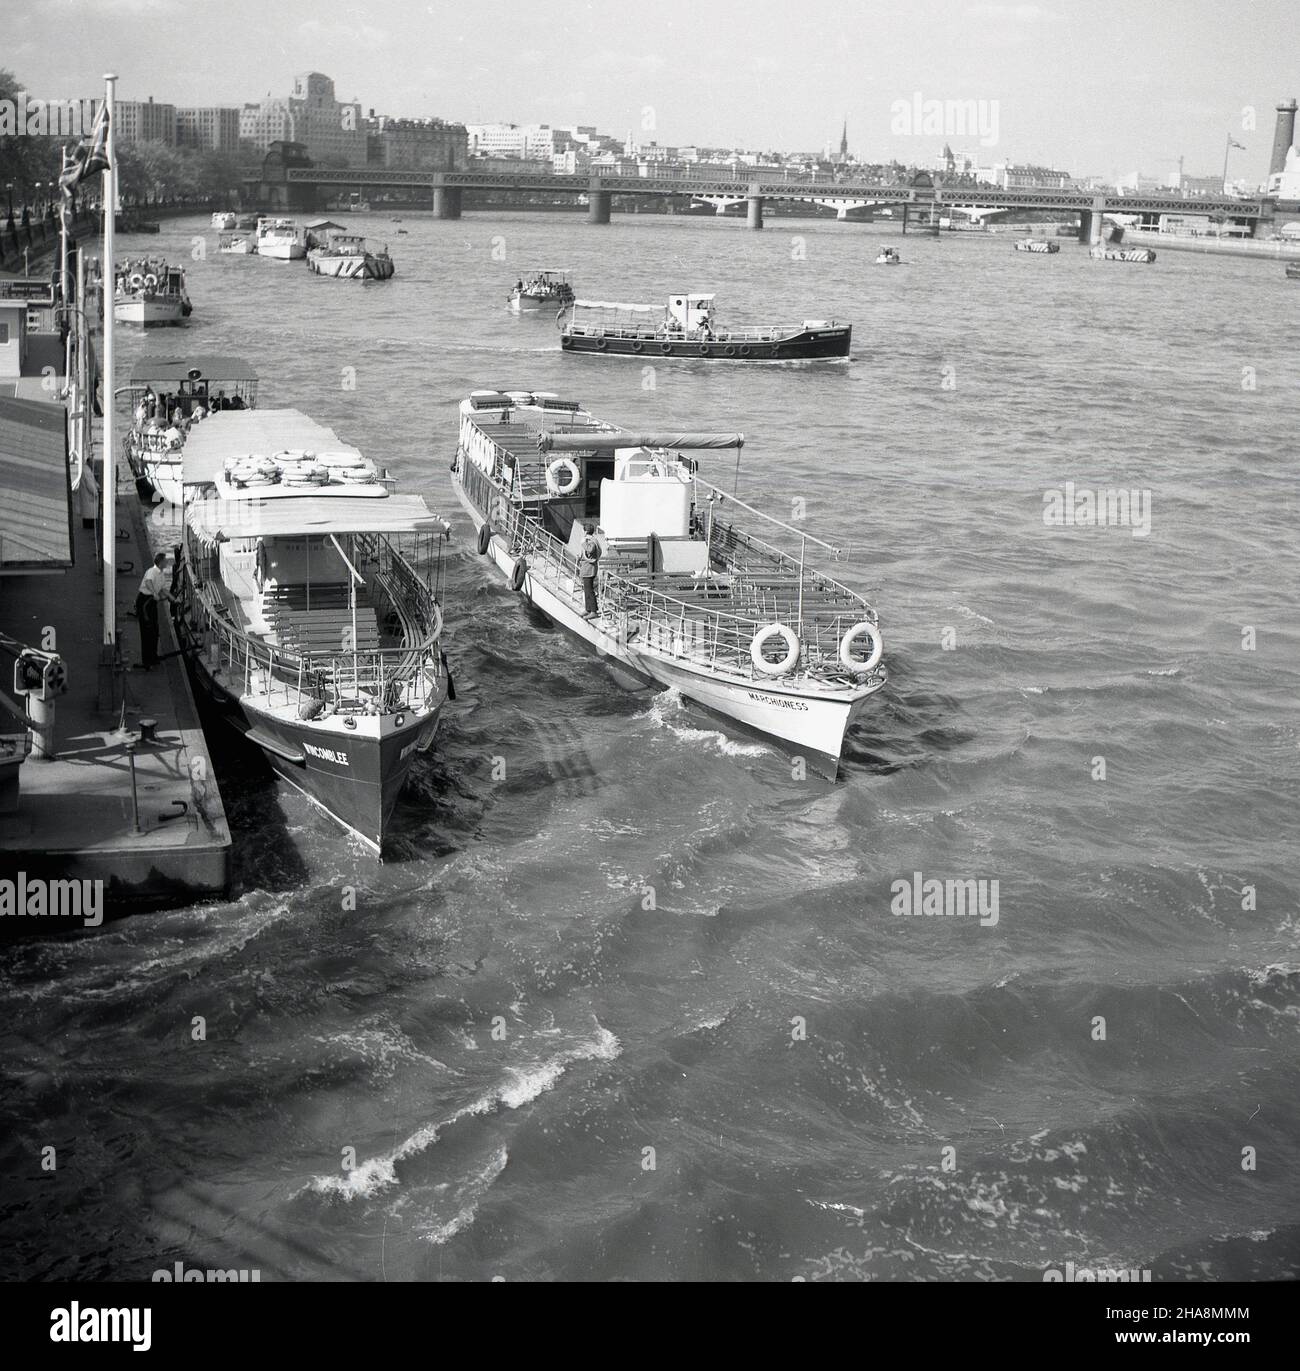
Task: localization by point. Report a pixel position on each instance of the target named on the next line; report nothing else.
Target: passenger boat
(1102, 254)
(169, 395)
(686, 598)
(1036, 245)
(281, 239)
(147, 292)
(224, 219)
(347, 257)
(1293, 271)
(685, 327)
(303, 617)
(888, 257)
(351, 203)
(238, 241)
(540, 290)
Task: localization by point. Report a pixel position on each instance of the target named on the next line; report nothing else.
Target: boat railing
(657, 333)
(348, 681)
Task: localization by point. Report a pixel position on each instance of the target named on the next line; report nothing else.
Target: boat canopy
(172, 371)
(608, 442)
(260, 431)
(610, 304)
(309, 515)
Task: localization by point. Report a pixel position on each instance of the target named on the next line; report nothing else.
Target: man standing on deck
(588, 556)
(153, 591)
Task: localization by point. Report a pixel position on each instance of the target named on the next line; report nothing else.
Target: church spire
(844, 141)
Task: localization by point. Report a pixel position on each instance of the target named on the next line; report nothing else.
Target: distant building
(329, 128)
(143, 121)
(215, 127)
(416, 144)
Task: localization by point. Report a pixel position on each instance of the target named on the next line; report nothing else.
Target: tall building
(215, 127)
(141, 121)
(415, 144)
(844, 143)
(332, 130)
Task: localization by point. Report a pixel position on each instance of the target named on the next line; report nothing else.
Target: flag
(89, 157)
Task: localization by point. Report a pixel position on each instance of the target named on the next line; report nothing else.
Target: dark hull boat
(304, 624)
(685, 328)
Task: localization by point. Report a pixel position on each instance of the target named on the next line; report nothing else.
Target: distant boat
(1036, 245)
(685, 327)
(350, 204)
(541, 289)
(281, 239)
(1293, 270)
(888, 257)
(148, 292)
(347, 257)
(238, 241)
(169, 395)
(1102, 254)
(224, 219)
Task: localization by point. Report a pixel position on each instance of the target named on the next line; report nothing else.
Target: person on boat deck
(519, 285)
(154, 589)
(588, 556)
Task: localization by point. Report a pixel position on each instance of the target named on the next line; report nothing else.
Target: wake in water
(668, 707)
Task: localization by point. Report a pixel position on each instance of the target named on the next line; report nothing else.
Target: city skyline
(871, 64)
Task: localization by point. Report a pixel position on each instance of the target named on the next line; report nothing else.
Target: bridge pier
(598, 204)
(1085, 226)
(1096, 228)
(754, 219)
(446, 202)
(904, 219)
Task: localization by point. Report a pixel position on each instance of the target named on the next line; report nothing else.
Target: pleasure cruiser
(540, 290)
(685, 597)
(281, 239)
(305, 621)
(146, 291)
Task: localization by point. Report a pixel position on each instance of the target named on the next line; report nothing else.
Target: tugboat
(1036, 245)
(281, 239)
(685, 327)
(684, 597)
(146, 291)
(305, 626)
(888, 257)
(170, 395)
(540, 290)
(346, 256)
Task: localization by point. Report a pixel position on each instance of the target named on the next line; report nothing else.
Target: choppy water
(503, 1027)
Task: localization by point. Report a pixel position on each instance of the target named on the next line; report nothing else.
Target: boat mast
(108, 194)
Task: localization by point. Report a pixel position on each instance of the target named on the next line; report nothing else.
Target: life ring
(484, 539)
(517, 574)
(744, 349)
(729, 350)
(552, 476)
(705, 350)
(601, 345)
(151, 281)
(787, 663)
(135, 280)
(636, 345)
(666, 349)
(866, 629)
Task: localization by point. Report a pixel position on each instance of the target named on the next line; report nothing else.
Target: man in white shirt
(155, 589)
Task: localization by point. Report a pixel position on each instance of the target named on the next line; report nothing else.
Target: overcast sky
(1105, 86)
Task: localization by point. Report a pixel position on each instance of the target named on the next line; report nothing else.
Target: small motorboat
(540, 290)
(888, 257)
(237, 242)
(1036, 245)
(223, 219)
(1293, 271)
(1101, 254)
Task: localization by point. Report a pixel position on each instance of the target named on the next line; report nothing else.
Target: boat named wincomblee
(169, 395)
(686, 598)
(306, 623)
(686, 327)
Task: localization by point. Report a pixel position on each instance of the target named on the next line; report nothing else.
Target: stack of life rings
(348, 467)
(251, 469)
(300, 468)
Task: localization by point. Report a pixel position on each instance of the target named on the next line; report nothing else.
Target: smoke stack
(1283, 137)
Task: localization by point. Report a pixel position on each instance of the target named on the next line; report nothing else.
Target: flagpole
(65, 301)
(107, 284)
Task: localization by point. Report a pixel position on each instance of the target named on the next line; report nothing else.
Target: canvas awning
(171, 371)
(309, 515)
(35, 496)
(607, 442)
(610, 304)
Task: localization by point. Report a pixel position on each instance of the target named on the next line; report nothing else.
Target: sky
(1088, 86)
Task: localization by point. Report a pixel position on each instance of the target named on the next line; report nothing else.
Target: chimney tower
(1283, 137)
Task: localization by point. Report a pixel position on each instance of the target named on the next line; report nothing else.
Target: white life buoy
(553, 471)
(151, 281)
(135, 280)
(866, 629)
(787, 663)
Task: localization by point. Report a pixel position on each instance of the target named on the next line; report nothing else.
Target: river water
(628, 1000)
